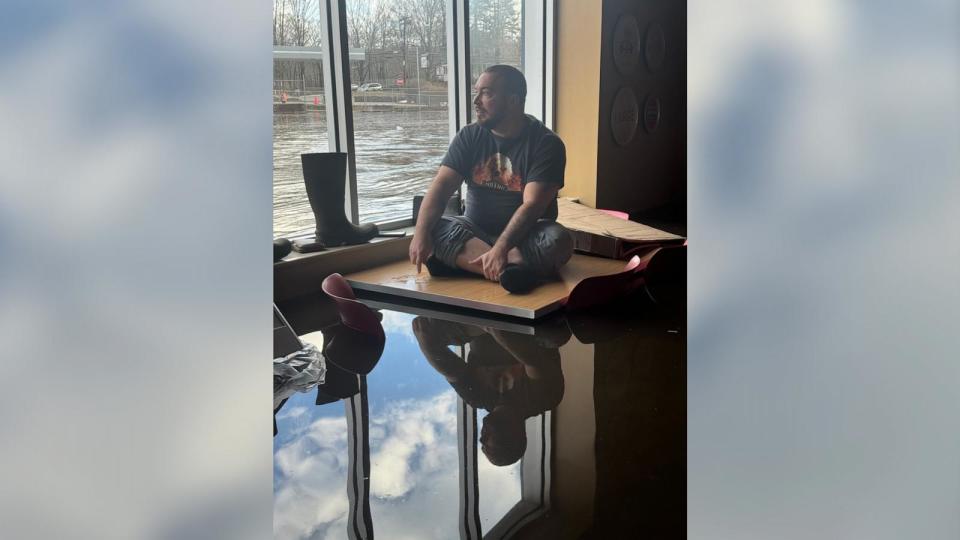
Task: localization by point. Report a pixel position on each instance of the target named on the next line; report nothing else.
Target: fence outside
(294, 91)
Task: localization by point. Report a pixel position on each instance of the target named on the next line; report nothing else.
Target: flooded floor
(472, 427)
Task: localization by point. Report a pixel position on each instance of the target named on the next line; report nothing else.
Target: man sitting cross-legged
(513, 166)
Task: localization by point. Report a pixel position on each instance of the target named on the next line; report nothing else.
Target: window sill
(300, 274)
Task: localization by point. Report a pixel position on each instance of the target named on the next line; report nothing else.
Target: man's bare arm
(433, 341)
(536, 197)
(444, 184)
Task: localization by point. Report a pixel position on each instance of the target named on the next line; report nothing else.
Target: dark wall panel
(648, 173)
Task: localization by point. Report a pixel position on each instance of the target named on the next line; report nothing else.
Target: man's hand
(492, 262)
(443, 186)
(421, 248)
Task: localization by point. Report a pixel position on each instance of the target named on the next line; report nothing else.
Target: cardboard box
(599, 233)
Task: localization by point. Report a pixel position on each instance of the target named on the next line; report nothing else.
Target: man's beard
(488, 121)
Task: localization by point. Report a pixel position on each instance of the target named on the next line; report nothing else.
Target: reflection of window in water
(369, 455)
(506, 385)
(499, 486)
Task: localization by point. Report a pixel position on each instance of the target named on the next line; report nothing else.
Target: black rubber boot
(324, 175)
(281, 248)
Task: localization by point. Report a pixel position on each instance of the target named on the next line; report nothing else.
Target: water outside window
(400, 114)
(398, 70)
(299, 113)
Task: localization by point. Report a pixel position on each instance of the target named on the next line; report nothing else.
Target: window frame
(536, 472)
(539, 58)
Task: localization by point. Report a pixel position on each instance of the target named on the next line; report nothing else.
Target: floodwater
(397, 155)
(572, 426)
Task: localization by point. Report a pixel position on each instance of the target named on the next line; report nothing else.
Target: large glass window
(518, 33)
(500, 486)
(400, 74)
(398, 66)
(299, 113)
(496, 30)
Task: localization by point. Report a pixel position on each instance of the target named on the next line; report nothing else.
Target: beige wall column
(578, 93)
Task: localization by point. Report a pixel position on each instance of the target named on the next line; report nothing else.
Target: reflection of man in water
(511, 376)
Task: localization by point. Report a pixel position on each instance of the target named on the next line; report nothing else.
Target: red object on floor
(602, 289)
(353, 313)
(616, 213)
(636, 273)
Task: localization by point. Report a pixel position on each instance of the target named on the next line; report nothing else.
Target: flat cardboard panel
(400, 278)
(578, 217)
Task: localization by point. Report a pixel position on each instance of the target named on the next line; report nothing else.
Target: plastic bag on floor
(297, 372)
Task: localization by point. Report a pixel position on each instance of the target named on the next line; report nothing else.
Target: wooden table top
(400, 278)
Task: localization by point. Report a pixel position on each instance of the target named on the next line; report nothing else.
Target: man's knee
(449, 237)
(556, 241)
(440, 230)
(548, 247)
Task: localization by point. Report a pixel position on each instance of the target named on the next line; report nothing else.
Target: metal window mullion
(453, 105)
(336, 69)
(469, 488)
(360, 523)
(469, 522)
(532, 55)
(458, 68)
(549, 62)
(547, 459)
(458, 62)
(329, 94)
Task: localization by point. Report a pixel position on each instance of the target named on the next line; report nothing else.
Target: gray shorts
(547, 247)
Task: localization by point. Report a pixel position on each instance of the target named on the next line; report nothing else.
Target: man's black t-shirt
(494, 377)
(496, 170)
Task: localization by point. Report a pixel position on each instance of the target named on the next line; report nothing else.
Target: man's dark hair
(513, 80)
(507, 439)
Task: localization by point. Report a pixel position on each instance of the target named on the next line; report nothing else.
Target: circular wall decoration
(626, 44)
(655, 48)
(624, 116)
(651, 114)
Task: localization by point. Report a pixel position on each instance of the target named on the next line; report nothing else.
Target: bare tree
(363, 27)
(428, 18)
(304, 23)
(296, 22)
(495, 31)
(429, 23)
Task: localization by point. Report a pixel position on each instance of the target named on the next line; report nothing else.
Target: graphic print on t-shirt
(496, 172)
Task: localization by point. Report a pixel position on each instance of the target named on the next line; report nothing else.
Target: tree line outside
(391, 33)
